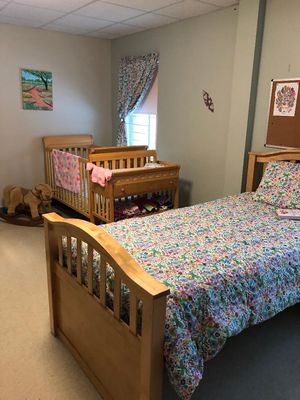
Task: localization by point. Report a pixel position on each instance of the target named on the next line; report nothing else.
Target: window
(141, 124)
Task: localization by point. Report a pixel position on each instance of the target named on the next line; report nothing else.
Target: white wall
(81, 90)
(280, 58)
(195, 54)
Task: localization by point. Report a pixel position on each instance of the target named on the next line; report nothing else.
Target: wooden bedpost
(251, 171)
(51, 257)
(152, 363)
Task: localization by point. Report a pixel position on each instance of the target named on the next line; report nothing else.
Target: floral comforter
(229, 264)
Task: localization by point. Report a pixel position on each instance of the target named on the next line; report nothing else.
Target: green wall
(195, 54)
(280, 58)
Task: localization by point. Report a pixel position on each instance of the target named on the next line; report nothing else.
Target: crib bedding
(229, 264)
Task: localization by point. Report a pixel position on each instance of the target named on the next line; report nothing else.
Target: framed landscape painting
(36, 89)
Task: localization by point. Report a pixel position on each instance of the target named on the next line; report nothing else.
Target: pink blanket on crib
(66, 170)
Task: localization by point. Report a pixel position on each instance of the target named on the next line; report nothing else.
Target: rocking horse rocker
(25, 206)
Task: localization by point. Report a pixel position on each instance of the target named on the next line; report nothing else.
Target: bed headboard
(59, 141)
(256, 159)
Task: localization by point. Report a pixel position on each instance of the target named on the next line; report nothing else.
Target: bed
(130, 178)
(121, 300)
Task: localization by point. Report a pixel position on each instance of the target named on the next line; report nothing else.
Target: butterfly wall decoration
(208, 101)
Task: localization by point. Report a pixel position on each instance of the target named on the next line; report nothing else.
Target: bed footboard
(123, 358)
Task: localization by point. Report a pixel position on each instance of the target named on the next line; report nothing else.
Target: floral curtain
(135, 80)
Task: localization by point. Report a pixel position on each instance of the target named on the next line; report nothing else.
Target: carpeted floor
(33, 364)
(262, 363)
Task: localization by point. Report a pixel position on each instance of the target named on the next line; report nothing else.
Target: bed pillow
(280, 185)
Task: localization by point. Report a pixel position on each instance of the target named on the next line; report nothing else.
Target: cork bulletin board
(284, 114)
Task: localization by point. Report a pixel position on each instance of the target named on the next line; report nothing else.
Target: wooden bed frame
(129, 179)
(122, 364)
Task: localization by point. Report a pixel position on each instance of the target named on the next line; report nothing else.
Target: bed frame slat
(69, 255)
(79, 261)
(133, 313)
(103, 266)
(117, 296)
(90, 269)
(60, 251)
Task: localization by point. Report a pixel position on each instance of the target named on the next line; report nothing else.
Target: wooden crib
(130, 178)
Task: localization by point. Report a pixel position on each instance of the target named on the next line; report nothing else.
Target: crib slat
(69, 255)
(94, 197)
(133, 313)
(102, 206)
(47, 166)
(60, 251)
(68, 196)
(63, 191)
(73, 199)
(90, 269)
(107, 201)
(79, 261)
(117, 296)
(96, 203)
(81, 204)
(53, 184)
(103, 281)
(82, 185)
(85, 177)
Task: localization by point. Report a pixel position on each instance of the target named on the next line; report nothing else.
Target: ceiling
(103, 19)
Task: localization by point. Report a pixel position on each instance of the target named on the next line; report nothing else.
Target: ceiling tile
(2, 4)
(145, 5)
(110, 12)
(151, 20)
(4, 19)
(117, 30)
(101, 35)
(187, 9)
(65, 29)
(87, 23)
(41, 15)
(221, 3)
(59, 5)
(106, 18)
